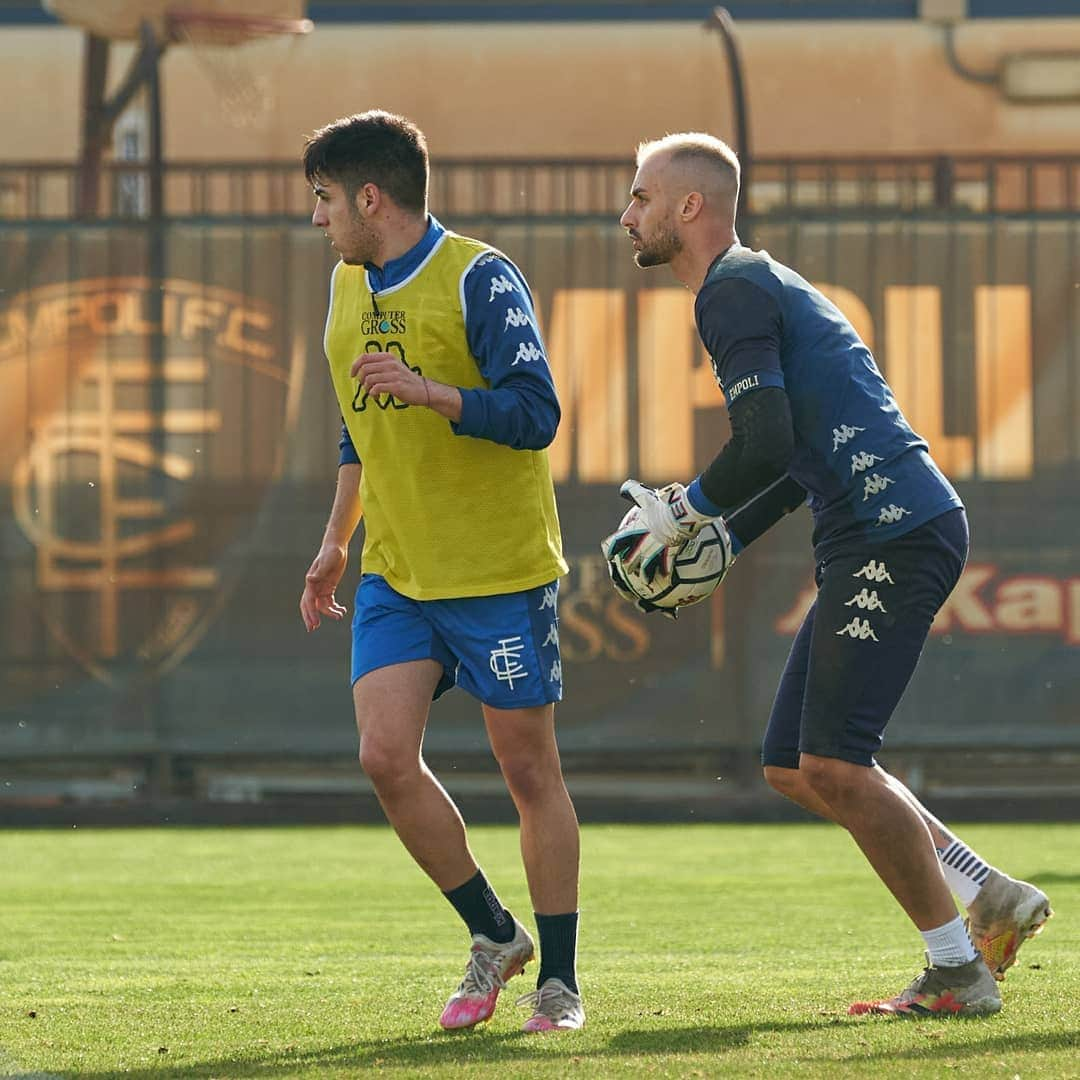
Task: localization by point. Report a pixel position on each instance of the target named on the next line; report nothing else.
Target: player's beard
(361, 245)
(662, 248)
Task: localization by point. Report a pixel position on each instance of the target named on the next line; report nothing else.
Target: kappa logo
(504, 662)
(527, 353)
(515, 317)
(875, 485)
(867, 600)
(499, 285)
(862, 461)
(891, 514)
(859, 629)
(875, 571)
(552, 636)
(555, 674)
(548, 599)
(842, 434)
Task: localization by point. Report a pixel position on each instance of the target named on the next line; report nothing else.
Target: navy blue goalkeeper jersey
(867, 474)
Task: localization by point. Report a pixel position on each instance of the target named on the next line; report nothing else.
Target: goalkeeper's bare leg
(1002, 912)
(392, 706)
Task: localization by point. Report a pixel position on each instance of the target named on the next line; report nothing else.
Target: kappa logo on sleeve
(499, 285)
(515, 317)
(527, 353)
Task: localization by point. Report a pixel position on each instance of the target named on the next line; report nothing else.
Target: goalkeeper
(813, 420)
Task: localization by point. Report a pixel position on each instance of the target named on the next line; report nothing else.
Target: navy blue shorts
(504, 649)
(860, 641)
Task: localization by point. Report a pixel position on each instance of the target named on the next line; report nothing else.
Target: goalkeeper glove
(666, 520)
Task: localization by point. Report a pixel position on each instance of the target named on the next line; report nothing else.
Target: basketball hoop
(236, 46)
(243, 79)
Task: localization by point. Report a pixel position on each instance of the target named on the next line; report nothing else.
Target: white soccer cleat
(490, 966)
(1003, 915)
(555, 1008)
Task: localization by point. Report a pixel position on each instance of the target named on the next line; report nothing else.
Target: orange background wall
(580, 89)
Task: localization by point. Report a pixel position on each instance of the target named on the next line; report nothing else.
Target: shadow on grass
(1003, 1044)
(1052, 877)
(461, 1048)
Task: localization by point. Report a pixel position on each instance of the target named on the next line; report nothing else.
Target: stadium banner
(169, 454)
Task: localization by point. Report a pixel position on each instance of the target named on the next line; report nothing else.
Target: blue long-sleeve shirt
(519, 408)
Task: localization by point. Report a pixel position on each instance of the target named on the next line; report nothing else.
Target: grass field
(705, 951)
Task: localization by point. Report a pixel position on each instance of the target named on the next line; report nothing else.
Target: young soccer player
(813, 420)
(448, 406)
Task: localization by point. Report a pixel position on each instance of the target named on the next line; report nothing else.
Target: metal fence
(525, 188)
(170, 445)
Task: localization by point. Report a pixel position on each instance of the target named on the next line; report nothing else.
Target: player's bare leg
(892, 835)
(896, 841)
(1003, 913)
(392, 706)
(523, 741)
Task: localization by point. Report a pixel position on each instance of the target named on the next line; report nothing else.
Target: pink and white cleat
(490, 966)
(555, 1008)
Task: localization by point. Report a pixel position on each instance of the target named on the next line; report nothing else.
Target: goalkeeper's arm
(742, 478)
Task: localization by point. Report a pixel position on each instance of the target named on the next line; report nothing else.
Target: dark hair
(373, 147)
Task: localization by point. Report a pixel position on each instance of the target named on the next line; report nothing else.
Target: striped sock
(964, 871)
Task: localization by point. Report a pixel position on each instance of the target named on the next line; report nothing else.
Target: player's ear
(368, 198)
(692, 205)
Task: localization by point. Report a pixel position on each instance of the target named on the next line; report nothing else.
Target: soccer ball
(688, 574)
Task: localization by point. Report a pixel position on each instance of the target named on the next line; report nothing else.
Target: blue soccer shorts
(858, 646)
(503, 649)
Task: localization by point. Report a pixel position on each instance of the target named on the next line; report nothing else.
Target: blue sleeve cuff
(348, 455)
(700, 501)
(472, 414)
(704, 505)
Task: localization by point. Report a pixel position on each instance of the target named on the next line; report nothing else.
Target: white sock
(949, 945)
(964, 871)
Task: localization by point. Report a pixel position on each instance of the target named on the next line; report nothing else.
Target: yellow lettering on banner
(852, 308)
(665, 410)
(670, 387)
(1029, 604)
(587, 351)
(914, 371)
(1003, 380)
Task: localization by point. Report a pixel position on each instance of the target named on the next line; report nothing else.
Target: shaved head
(695, 161)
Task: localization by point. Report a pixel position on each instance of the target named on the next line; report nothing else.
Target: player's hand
(385, 373)
(666, 520)
(320, 583)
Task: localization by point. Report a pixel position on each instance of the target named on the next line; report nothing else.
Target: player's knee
(785, 781)
(528, 776)
(826, 777)
(384, 765)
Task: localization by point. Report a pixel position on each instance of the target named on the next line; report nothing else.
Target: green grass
(705, 951)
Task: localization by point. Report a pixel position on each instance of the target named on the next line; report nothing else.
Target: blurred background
(169, 432)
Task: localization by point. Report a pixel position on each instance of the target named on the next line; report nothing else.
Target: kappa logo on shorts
(875, 571)
(550, 592)
(553, 635)
(859, 629)
(867, 601)
(555, 674)
(504, 662)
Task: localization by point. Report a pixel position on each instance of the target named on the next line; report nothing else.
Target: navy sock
(477, 904)
(558, 948)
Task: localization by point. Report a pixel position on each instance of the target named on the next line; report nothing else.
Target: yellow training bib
(445, 515)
